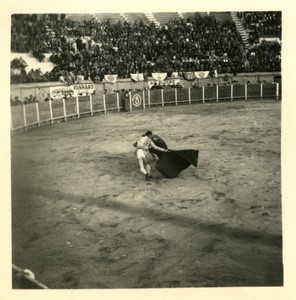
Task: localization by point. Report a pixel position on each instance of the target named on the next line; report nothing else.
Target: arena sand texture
(84, 217)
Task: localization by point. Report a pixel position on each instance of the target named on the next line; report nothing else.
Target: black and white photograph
(145, 149)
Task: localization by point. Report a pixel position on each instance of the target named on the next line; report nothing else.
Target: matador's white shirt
(145, 143)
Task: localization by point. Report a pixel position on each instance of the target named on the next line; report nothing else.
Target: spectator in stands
(16, 101)
(266, 23)
(48, 98)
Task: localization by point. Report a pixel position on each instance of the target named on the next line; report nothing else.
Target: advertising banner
(201, 74)
(159, 76)
(137, 77)
(74, 90)
(82, 89)
(59, 92)
(111, 78)
(167, 82)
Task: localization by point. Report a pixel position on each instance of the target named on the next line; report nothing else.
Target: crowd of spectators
(17, 101)
(201, 43)
(262, 24)
(264, 57)
(94, 49)
(19, 75)
(34, 33)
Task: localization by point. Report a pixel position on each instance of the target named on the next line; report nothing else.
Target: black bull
(170, 164)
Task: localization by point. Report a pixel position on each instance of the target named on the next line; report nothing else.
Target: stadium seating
(222, 16)
(136, 17)
(262, 24)
(164, 17)
(187, 15)
(79, 17)
(113, 18)
(94, 45)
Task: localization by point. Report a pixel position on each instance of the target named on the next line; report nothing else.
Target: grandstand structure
(244, 35)
(158, 18)
(162, 18)
(113, 18)
(93, 45)
(80, 17)
(136, 17)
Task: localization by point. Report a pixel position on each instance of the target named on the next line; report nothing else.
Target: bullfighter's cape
(171, 164)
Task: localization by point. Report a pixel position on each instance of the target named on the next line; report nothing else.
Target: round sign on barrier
(42, 95)
(137, 100)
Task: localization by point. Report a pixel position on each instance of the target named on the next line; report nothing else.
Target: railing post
(246, 91)
(162, 101)
(130, 101)
(64, 110)
(104, 103)
(231, 92)
(176, 96)
(37, 113)
(277, 91)
(189, 95)
(117, 101)
(144, 106)
(203, 94)
(77, 107)
(217, 93)
(91, 105)
(261, 91)
(24, 116)
(50, 111)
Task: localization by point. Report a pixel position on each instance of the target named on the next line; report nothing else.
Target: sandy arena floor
(84, 217)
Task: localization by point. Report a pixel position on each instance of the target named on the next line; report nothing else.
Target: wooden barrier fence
(36, 114)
